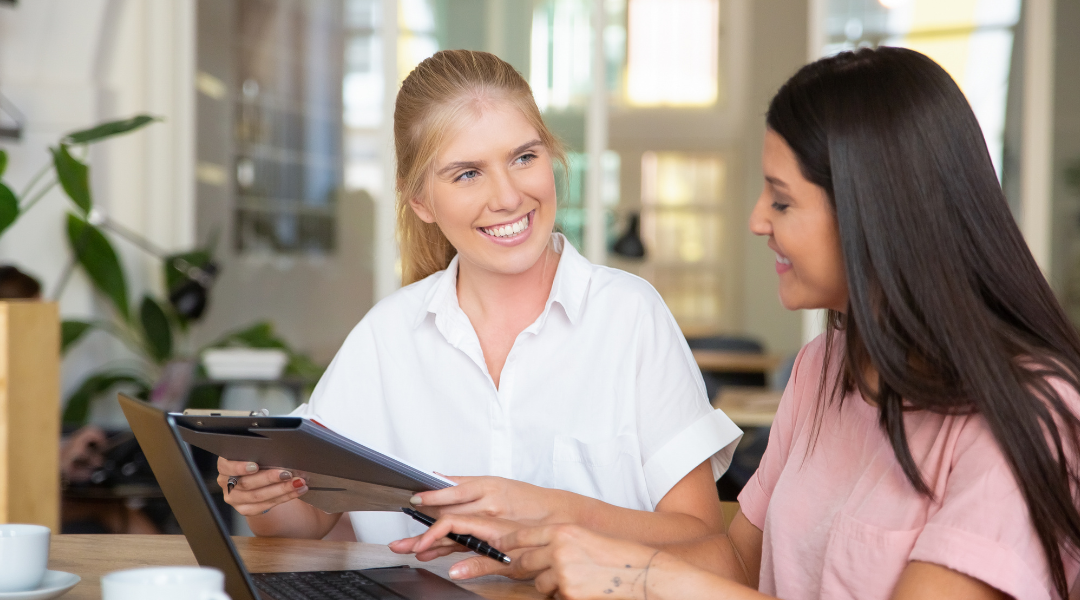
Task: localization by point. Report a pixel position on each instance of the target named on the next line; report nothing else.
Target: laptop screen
(186, 493)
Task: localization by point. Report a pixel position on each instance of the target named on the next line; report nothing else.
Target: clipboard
(342, 475)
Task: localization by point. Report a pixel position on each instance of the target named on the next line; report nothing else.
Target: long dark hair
(945, 303)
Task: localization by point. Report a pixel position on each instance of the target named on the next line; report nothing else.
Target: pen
(476, 545)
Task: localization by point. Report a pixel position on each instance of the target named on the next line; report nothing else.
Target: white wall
(68, 64)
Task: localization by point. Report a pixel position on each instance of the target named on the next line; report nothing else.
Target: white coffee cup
(24, 554)
(164, 583)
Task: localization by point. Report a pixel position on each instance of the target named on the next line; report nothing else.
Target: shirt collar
(442, 297)
(571, 279)
(568, 290)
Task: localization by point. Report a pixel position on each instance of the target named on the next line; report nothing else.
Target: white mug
(24, 554)
(164, 583)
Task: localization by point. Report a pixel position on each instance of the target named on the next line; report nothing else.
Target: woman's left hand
(578, 564)
(499, 498)
(566, 559)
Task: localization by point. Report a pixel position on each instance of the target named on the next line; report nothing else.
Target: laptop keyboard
(311, 585)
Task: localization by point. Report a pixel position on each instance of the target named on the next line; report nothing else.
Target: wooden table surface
(735, 362)
(91, 556)
(748, 406)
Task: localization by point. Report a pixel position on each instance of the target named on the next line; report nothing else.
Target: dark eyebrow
(776, 182)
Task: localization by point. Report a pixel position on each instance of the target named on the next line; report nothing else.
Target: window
(659, 52)
(559, 69)
(416, 34)
(570, 217)
(288, 125)
(673, 52)
(364, 87)
(684, 226)
(971, 40)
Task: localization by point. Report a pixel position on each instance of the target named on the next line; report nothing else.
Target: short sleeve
(754, 498)
(677, 427)
(983, 528)
(351, 381)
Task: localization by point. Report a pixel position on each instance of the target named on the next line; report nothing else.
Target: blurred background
(264, 186)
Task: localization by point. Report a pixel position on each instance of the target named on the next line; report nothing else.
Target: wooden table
(91, 556)
(748, 406)
(735, 362)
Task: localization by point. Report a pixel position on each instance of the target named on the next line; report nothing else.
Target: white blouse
(599, 396)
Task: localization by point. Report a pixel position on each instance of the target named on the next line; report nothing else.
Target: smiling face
(492, 193)
(801, 225)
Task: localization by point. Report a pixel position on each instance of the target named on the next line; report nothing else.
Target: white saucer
(56, 583)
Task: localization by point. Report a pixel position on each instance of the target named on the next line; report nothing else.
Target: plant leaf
(173, 277)
(78, 403)
(259, 335)
(71, 332)
(74, 177)
(9, 207)
(157, 329)
(96, 255)
(3, 162)
(204, 396)
(105, 130)
(301, 366)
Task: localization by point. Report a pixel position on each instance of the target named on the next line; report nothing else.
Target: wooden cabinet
(30, 413)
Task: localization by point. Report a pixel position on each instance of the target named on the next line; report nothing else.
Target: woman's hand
(576, 563)
(433, 543)
(559, 557)
(499, 498)
(258, 491)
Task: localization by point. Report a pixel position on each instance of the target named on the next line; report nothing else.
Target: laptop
(170, 459)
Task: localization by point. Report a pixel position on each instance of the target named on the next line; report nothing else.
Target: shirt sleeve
(983, 528)
(755, 496)
(348, 386)
(677, 427)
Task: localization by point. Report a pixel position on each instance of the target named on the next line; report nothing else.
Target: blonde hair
(433, 103)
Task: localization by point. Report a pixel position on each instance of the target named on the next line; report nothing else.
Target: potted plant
(30, 338)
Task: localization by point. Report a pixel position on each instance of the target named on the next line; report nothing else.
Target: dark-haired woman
(926, 446)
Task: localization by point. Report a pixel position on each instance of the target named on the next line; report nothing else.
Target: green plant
(154, 332)
(72, 174)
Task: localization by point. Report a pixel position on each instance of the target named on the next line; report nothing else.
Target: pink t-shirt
(842, 520)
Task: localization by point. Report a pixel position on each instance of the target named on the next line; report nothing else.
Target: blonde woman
(560, 391)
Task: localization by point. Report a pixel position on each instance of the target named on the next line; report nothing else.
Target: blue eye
(525, 159)
(467, 175)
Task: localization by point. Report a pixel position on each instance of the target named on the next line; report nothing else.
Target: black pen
(476, 545)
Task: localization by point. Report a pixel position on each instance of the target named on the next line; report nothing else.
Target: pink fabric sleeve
(983, 528)
(754, 498)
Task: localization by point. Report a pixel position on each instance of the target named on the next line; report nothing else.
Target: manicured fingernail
(416, 500)
(298, 483)
(252, 467)
(302, 490)
(457, 572)
(285, 475)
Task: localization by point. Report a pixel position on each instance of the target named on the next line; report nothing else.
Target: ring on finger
(231, 484)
